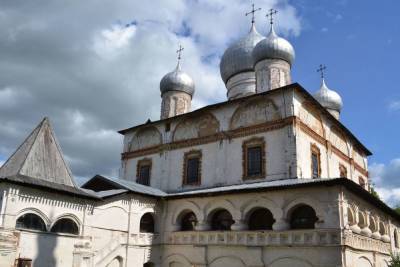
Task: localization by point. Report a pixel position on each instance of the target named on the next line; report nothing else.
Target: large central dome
(238, 57)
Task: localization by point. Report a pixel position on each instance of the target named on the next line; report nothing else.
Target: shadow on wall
(46, 244)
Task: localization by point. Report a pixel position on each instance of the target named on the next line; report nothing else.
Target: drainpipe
(128, 233)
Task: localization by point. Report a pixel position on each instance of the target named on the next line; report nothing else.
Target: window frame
(344, 169)
(246, 145)
(315, 151)
(193, 154)
(146, 162)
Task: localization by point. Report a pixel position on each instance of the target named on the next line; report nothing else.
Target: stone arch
(382, 228)
(37, 212)
(176, 258)
(213, 206)
(373, 226)
(296, 202)
(290, 261)
(224, 261)
(351, 217)
(261, 202)
(254, 112)
(364, 262)
(362, 220)
(69, 216)
(116, 262)
(185, 207)
(145, 138)
(205, 124)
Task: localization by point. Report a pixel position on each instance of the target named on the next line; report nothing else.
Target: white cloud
(394, 105)
(81, 65)
(385, 178)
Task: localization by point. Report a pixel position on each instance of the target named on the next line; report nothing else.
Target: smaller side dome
(177, 80)
(238, 57)
(273, 47)
(328, 98)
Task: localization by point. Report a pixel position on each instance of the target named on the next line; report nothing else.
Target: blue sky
(92, 75)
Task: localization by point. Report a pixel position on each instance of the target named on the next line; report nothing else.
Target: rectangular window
(342, 171)
(192, 168)
(254, 158)
(24, 263)
(315, 162)
(143, 172)
(254, 161)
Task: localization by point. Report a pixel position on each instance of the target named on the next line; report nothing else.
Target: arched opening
(361, 220)
(221, 220)
(31, 221)
(147, 223)
(149, 264)
(372, 225)
(382, 228)
(260, 219)
(350, 217)
(303, 217)
(65, 226)
(188, 221)
(396, 239)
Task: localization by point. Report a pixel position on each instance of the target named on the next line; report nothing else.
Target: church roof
(279, 90)
(39, 161)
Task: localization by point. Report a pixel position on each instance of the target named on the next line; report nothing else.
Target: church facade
(268, 178)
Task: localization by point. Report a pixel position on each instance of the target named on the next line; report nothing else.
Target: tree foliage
(394, 260)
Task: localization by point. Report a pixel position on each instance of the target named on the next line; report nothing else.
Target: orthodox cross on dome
(252, 12)
(271, 14)
(179, 51)
(321, 69)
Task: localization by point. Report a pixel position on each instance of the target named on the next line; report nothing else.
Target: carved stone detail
(204, 125)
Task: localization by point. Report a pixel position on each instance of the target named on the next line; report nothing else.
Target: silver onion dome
(177, 80)
(328, 98)
(273, 47)
(238, 57)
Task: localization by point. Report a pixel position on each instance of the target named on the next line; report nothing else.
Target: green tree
(394, 260)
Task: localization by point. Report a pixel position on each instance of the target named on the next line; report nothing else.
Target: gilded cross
(321, 69)
(270, 14)
(252, 12)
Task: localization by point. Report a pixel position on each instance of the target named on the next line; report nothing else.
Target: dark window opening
(254, 161)
(24, 263)
(396, 239)
(261, 219)
(192, 168)
(168, 127)
(361, 181)
(222, 221)
(144, 175)
(303, 217)
(343, 171)
(147, 223)
(31, 221)
(315, 165)
(188, 222)
(65, 226)
(143, 172)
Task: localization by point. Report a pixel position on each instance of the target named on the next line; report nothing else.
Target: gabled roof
(101, 183)
(279, 90)
(39, 157)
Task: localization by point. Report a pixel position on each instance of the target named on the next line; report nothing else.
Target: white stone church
(268, 178)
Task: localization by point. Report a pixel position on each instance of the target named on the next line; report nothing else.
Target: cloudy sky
(94, 68)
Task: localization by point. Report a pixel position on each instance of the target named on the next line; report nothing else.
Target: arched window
(261, 219)
(65, 226)
(31, 221)
(303, 217)
(188, 222)
(372, 225)
(382, 228)
(361, 220)
(222, 220)
(396, 239)
(147, 223)
(350, 216)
